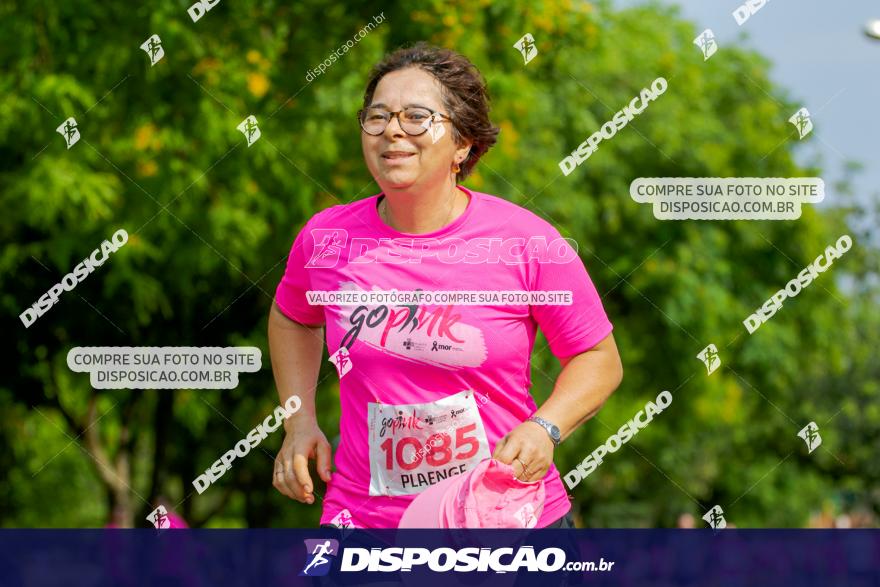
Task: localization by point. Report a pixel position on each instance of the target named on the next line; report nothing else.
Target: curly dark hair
(464, 94)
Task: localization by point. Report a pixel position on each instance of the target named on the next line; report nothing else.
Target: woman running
(431, 387)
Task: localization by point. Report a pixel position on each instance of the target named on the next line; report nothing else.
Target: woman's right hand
(303, 441)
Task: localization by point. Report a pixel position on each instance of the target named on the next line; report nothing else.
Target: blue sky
(821, 55)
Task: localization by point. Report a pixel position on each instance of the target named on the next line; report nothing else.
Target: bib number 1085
(436, 451)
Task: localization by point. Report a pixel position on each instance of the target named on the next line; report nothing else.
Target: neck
(422, 212)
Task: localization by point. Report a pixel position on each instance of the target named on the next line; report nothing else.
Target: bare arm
(586, 381)
(296, 351)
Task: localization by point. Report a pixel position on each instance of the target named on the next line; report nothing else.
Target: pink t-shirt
(428, 389)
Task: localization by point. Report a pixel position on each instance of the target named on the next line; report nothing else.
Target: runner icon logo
(526, 46)
(526, 515)
(342, 360)
(320, 554)
(710, 358)
(715, 518)
(153, 48)
(706, 42)
(810, 434)
(329, 243)
(435, 130)
(70, 131)
(159, 517)
(801, 121)
(249, 129)
(343, 521)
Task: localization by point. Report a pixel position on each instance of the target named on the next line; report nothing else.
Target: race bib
(414, 446)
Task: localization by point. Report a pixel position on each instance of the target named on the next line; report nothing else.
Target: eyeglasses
(414, 120)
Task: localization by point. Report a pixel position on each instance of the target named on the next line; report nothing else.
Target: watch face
(554, 432)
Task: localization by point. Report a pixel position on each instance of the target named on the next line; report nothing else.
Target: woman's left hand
(528, 449)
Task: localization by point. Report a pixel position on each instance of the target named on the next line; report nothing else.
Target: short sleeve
(573, 329)
(291, 292)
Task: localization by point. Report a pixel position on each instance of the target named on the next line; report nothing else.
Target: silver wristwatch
(551, 429)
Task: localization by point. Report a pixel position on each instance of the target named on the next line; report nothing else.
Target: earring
(456, 168)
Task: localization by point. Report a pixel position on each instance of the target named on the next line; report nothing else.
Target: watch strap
(546, 426)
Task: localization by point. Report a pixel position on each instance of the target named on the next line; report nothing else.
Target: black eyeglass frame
(397, 113)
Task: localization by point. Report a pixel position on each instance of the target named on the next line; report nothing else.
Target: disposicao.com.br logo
(333, 244)
(440, 560)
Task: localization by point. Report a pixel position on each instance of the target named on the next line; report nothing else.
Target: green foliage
(211, 222)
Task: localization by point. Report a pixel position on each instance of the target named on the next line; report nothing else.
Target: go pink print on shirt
(430, 336)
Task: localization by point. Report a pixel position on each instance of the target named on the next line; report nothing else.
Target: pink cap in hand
(488, 496)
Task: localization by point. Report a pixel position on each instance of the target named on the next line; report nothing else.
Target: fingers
(301, 474)
(511, 452)
(506, 449)
(519, 468)
(324, 458)
(278, 479)
(528, 462)
(290, 475)
(498, 447)
(537, 465)
(523, 463)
